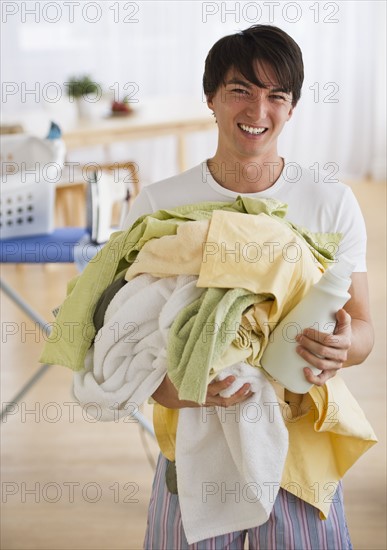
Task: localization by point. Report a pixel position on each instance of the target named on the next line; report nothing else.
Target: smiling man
(252, 82)
(250, 117)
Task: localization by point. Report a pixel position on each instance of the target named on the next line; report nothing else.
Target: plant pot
(91, 109)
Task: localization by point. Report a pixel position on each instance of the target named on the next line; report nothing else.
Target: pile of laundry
(195, 293)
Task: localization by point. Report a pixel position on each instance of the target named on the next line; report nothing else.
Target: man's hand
(214, 389)
(166, 395)
(327, 352)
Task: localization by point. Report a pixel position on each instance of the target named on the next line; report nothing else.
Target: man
(252, 82)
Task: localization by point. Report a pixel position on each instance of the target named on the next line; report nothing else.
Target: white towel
(229, 462)
(128, 361)
(218, 450)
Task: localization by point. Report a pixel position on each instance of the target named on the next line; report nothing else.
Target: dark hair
(262, 43)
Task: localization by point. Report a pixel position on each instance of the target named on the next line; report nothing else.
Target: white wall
(161, 47)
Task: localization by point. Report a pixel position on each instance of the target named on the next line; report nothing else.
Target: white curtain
(338, 125)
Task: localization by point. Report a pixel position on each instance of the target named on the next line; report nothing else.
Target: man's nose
(257, 108)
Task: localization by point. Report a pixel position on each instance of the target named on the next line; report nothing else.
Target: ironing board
(64, 245)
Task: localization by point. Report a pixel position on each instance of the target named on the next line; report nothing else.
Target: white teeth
(251, 129)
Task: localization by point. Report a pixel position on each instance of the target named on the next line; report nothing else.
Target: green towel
(200, 334)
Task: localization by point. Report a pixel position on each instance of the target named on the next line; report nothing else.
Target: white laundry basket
(28, 168)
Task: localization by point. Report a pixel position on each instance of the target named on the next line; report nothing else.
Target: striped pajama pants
(292, 525)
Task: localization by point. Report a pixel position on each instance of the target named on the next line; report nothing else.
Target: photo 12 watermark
(328, 92)
(271, 12)
(69, 492)
(53, 412)
(253, 172)
(69, 171)
(70, 12)
(219, 493)
(33, 332)
(73, 90)
(253, 412)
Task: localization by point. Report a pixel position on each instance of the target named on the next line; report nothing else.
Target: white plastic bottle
(317, 310)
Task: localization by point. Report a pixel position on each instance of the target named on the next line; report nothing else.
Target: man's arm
(351, 342)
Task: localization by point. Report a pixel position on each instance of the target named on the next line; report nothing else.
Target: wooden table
(150, 118)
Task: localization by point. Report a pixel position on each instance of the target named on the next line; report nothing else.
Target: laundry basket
(28, 169)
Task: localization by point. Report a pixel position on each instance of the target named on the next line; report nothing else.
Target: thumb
(343, 319)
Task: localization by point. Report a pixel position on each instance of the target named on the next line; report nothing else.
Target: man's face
(250, 118)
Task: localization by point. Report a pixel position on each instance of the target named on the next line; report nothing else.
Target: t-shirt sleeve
(352, 225)
(141, 205)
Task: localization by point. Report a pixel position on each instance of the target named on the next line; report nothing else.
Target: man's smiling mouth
(252, 130)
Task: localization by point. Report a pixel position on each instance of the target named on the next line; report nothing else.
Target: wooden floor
(71, 483)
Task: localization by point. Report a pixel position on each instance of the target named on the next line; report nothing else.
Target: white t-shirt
(320, 206)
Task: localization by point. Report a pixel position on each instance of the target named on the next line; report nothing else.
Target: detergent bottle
(316, 310)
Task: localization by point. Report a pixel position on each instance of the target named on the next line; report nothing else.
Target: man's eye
(277, 97)
(240, 91)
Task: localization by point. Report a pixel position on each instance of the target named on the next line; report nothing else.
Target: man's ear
(291, 111)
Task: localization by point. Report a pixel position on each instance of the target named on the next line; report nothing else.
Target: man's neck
(246, 175)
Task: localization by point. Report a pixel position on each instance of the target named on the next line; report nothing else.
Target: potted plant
(86, 93)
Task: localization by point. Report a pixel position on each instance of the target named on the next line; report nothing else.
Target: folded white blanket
(128, 361)
(229, 462)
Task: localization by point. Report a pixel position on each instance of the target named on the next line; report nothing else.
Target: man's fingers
(343, 322)
(242, 391)
(333, 359)
(309, 350)
(216, 386)
(216, 400)
(320, 343)
(313, 335)
(319, 379)
(342, 328)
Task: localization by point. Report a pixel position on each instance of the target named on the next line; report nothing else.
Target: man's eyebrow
(240, 82)
(279, 89)
(248, 84)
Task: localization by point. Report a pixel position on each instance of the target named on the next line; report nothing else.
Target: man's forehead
(263, 72)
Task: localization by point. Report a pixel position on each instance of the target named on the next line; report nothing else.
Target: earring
(214, 115)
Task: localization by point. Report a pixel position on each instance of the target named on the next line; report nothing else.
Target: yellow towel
(258, 253)
(328, 433)
(179, 254)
